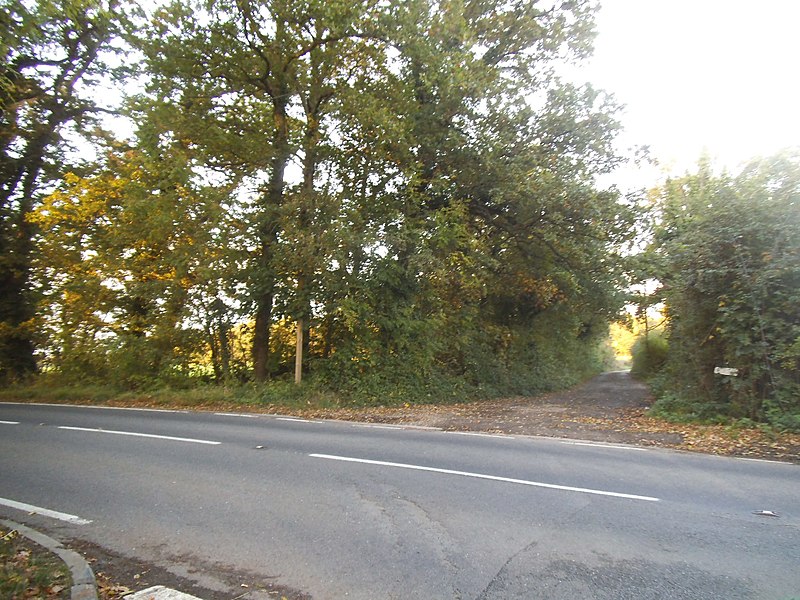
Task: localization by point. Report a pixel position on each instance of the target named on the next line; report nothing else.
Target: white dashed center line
(242, 415)
(488, 435)
(605, 446)
(143, 435)
(551, 486)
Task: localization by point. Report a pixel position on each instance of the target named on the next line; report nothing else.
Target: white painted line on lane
(476, 434)
(45, 512)
(9, 422)
(296, 420)
(242, 415)
(371, 426)
(551, 486)
(605, 446)
(143, 435)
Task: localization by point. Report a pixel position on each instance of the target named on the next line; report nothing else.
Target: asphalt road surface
(344, 510)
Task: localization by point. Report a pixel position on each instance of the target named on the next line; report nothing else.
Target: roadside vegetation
(390, 201)
(332, 204)
(726, 249)
(30, 572)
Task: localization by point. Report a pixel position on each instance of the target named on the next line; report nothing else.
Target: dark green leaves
(731, 273)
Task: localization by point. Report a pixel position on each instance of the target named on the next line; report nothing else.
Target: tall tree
(435, 153)
(51, 50)
(268, 58)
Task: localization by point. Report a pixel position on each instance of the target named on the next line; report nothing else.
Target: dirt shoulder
(611, 407)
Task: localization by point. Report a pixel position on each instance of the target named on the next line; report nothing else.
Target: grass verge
(30, 572)
(271, 396)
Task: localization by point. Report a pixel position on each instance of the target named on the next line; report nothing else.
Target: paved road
(341, 510)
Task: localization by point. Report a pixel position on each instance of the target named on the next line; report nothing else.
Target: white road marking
(371, 426)
(144, 435)
(763, 460)
(156, 410)
(295, 420)
(9, 422)
(475, 434)
(551, 486)
(244, 416)
(605, 446)
(45, 512)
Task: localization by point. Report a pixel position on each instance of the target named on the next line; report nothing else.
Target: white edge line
(45, 512)
(55, 404)
(551, 486)
(242, 415)
(144, 435)
(762, 460)
(605, 446)
(9, 422)
(475, 434)
(372, 426)
(296, 420)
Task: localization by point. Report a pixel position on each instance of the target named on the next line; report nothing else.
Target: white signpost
(726, 371)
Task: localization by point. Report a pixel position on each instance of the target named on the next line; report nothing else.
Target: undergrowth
(379, 388)
(674, 408)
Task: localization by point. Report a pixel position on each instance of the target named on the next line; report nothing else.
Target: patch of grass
(197, 397)
(46, 390)
(318, 391)
(672, 408)
(30, 572)
(675, 409)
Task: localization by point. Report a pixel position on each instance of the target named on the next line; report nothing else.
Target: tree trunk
(17, 358)
(261, 338)
(298, 354)
(268, 230)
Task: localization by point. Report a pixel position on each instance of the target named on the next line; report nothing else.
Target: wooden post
(298, 355)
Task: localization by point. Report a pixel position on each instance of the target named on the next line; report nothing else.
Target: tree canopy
(50, 53)
(406, 186)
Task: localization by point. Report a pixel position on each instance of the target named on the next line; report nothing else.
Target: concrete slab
(159, 592)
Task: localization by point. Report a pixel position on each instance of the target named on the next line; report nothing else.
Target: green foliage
(649, 353)
(730, 249)
(49, 50)
(443, 238)
(126, 257)
(680, 409)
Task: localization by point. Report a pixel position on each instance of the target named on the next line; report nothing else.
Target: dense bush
(649, 354)
(730, 250)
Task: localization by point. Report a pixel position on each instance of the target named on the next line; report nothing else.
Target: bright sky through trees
(700, 75)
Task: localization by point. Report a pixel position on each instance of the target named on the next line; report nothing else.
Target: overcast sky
(714, 75)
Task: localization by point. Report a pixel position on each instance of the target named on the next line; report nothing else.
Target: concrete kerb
(84, 586)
